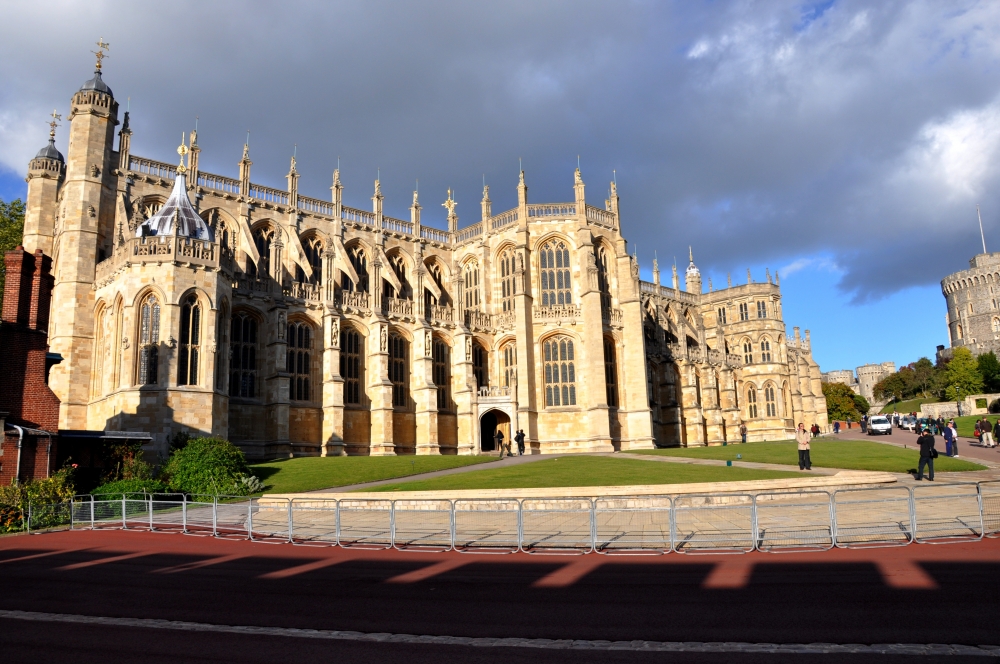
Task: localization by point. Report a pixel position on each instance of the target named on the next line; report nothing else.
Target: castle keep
(186, 301)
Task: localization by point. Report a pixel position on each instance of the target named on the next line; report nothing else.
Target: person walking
(954, 438)
(849, 421)
(519, 438)
(927, 454)
(948, 433)
(802, 438)
(987, 430)
(743, 432)
(836, 426)
(996, 431)
(863, 423)
(498, 437)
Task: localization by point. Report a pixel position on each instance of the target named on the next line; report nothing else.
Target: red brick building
(29, 410)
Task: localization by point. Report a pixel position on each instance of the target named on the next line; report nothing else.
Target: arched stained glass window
(507, 280)
(480, 365)
(555, 275)
(149, 340)
(747, 352)
(189, 347)
(765, 350)
(470, 276)
(243, 356)
(441, 370)
(313, 247)
(508, 355)
(770, 402)
(351, 364)
(298, 361)
(398, 369)
(751, 403)
(611, 372)
(359, 260)
(560, 371)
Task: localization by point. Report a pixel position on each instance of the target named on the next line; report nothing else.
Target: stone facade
(973, 318)
(867, 376)
(300, 326)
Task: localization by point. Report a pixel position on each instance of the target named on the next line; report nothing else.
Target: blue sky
(844, 143)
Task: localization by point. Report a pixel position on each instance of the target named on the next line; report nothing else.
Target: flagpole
(981, 235)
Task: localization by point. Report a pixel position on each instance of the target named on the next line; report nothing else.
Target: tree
(989, 369)
(861, 404)
(840, 403)
(962, 376)
(11, 232)
(923, 374)
(892, 386)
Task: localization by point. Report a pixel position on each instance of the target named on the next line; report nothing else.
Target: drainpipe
(20, 438)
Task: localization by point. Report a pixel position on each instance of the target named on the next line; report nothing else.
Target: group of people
(987, 433)
(505, 447)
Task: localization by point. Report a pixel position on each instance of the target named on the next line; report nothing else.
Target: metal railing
(654, 524)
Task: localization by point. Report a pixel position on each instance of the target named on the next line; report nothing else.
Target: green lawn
(967, 425)
(846, 454)
(586, 471)
(908, 406)
(311, 473)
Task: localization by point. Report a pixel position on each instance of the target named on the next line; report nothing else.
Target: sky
(843, 144)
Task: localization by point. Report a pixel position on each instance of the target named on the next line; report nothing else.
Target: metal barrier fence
(650, 525)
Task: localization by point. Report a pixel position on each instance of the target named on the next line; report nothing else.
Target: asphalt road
(76, 596)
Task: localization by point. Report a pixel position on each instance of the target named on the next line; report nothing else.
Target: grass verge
(586, 471)
(312, 473)
(908, 406)
(845, 454)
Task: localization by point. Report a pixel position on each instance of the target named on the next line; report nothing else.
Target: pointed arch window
(398, 369)
(480, 365)
(189, 346)
(262, 239)
(603, 279)
(556, 286)
(359, 260)
(560, 371)
(751, 403)
(243, 357)
(611, 372)
(441, 370)
(722, 316)
(744, 311)
(351, 364)
(398, 265)
(223, 347)
(996, 324)
(313, 248)
(298, 361)
(770, 401)
(149, 340)
(436, 273)
(765, 350)
(747, 352)
(471, 278)
(508, 355)
(507, 280)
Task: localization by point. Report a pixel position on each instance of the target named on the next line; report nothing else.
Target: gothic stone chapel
(186, 301)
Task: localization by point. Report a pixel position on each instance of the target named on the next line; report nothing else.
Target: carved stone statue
(335, 333)
(385, 339)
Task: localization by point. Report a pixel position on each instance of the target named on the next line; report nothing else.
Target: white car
(908, 422)
(879, 424)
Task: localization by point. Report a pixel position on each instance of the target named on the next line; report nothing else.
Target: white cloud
(815, 263)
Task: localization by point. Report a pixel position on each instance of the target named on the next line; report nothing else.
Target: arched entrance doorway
(490, 421)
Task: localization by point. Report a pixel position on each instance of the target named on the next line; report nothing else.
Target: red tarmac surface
(917, 594)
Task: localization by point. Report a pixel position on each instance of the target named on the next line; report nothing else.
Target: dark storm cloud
(759, 132)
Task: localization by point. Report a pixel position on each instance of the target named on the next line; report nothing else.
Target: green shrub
(210, 466)
(14, 499)
(114, 490)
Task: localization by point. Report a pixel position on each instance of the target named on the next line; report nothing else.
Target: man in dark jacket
(519, 439)
(926, 442)
(498, 437)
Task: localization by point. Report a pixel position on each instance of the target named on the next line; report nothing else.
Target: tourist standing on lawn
(802, 438)
(954, 438)
(743, 432)
(927, 454)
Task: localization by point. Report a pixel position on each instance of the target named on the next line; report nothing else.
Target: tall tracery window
(752, 403)
(398, 265)
(556, 287)
(480, 365)
(744, 311)
(507, 280)
(298, 361)
(313, 247)
(351, 364)
(359, 260)
(603, 280)
(189, 347)
(243, 356)
(398, 352)
(765, 350)
(436, 274)
(441, 371)
(560, 372)
(262, 239)
(722, 315)
(221, 356)
(747, 352)
(996, 324)
(762, 309)
(611, 372)
(471, 278)
(770, 402)
(508, 355)
(149, 340)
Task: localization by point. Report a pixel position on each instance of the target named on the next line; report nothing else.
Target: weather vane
(449, 204)
(102, 46)
(54, 123)
(182, 150)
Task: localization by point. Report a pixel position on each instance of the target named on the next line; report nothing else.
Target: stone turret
(692, 276)
(46, 173)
